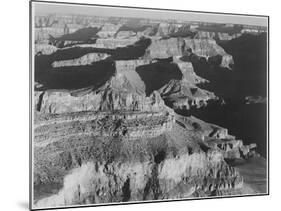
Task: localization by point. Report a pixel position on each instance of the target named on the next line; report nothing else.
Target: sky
(45, 8)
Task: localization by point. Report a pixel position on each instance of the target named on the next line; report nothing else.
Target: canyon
(130, 110)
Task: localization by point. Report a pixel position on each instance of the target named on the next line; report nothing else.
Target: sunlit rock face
(204, 47)
(208, 48)
(106, 130)
(174, 30)
(131, 155)
(45, 49)
(105, 99)
(108, 30)
(84, 60)
(115, 42)
(163, 48)
(217, 35)
(188, 72)
(185, 94)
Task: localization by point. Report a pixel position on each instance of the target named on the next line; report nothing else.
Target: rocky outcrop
(104, 99)
(175, 30)
(108, 30)
(184, 96)
(164, 29)
(216, 35)
(226, 36)
(125, 66)
(111, 43)
(188, 72)
(84, 60)
(205, 35)
(108, 43)
(232, 149)
(125, 34)
(164, 48)
(209, 49)
(44, 49)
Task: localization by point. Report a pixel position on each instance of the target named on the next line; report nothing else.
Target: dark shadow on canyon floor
(76, 77)
(247, 78)
(156, 75)
(246, 122)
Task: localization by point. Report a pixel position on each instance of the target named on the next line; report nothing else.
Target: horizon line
(43, 8)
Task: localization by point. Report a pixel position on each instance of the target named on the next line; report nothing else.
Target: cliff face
(101, 158)
(208, 48)
(164, 48)
(105, 99)
(185, 94)
(108, 30)
(105, 129)
(96, 182)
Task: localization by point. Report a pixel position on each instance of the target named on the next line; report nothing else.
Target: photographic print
(134, 105)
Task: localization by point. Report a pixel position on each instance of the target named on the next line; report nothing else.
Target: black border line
(268, 105)
(151, 201)
(30, 107)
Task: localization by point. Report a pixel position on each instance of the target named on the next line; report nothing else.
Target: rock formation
(84, 60)
(105, 126)
(45, 49)
(208, 48)
(108, 30)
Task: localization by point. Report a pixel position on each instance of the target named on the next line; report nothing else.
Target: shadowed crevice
(126, 192)
(76, 77)
(158, 74)
(84, 35)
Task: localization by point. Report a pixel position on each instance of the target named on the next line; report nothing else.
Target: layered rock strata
(132, 156)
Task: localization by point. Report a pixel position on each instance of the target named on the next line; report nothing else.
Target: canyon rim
(138, 105)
